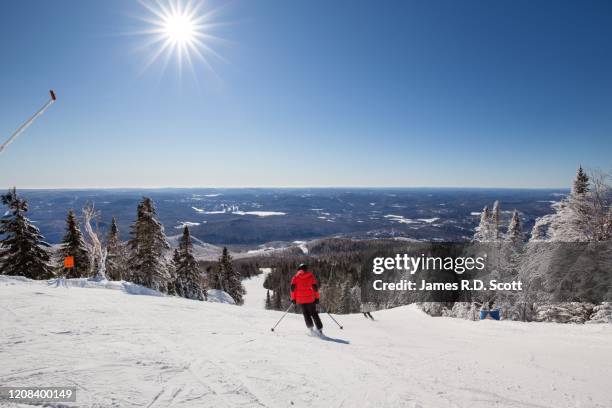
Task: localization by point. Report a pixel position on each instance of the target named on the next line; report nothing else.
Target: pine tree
(581, 183)
(22, 249)
(148, 245)
(74, 245)
(483, 231)
(176, 259)
(515, 231)
(116, 257)
(579, 198)
(187, 283)
(230, 278)
(572, 220)
(268, 300)
(495, 220)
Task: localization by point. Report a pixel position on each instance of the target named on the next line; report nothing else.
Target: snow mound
(13, 280)
(123, 286)
(602, 313)
(127, 287)
(566, 312)
(219, 296)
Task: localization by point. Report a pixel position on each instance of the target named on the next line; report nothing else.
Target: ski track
(123, 350)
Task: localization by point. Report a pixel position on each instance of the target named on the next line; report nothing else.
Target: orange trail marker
(69, 262)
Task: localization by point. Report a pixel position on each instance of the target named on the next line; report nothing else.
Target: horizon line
(289, 188)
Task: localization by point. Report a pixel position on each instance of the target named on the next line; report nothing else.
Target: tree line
(145, 259)
(564, 263)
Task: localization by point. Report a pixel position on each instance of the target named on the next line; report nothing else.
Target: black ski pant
(310, 314)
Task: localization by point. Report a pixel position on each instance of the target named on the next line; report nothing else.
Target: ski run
(121, 347)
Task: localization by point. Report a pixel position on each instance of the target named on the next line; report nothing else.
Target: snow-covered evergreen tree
(581, 183)
(506, 258)
(148, 245)
(600, 207)
(539, 231)
(74, 245)
(116, 257)
(515, 231)
(550, 269)
(230, 278)
(571, 221)
(495, 221)
(188, 281)
(483, 230)
(22, 249)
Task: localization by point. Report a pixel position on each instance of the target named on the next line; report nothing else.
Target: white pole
(28, 122)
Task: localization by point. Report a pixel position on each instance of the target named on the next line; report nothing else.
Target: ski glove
(316, 301)
(293, 301)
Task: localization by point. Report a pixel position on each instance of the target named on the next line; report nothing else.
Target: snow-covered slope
(255, 297)
(122, 350)
(201, 250)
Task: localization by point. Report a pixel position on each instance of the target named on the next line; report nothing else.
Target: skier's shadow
(333, 340)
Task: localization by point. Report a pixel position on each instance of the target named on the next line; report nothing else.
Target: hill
(127, 350)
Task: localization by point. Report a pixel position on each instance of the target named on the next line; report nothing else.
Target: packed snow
(255, 297)
(156, 351)
(219, 296)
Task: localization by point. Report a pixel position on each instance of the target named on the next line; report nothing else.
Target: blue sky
(311, 93)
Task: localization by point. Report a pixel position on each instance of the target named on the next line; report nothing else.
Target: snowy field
(128, 350)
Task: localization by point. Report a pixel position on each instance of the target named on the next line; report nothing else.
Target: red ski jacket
(304, 288)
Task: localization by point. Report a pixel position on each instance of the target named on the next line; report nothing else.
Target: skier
(305, 292)
(366, 309)
(365, 306)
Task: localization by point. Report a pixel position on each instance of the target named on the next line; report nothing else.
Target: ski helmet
(302, 267)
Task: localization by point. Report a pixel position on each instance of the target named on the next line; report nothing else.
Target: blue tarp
(493, 313)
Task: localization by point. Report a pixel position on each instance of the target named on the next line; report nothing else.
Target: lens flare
(181, 30)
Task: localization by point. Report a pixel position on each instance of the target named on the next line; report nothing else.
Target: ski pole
(282, 317)
(332, 317)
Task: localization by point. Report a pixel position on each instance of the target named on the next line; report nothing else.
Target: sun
(180, 30)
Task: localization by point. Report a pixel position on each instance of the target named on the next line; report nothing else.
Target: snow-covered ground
(255, 297)
(126, 350)
(201, 250)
